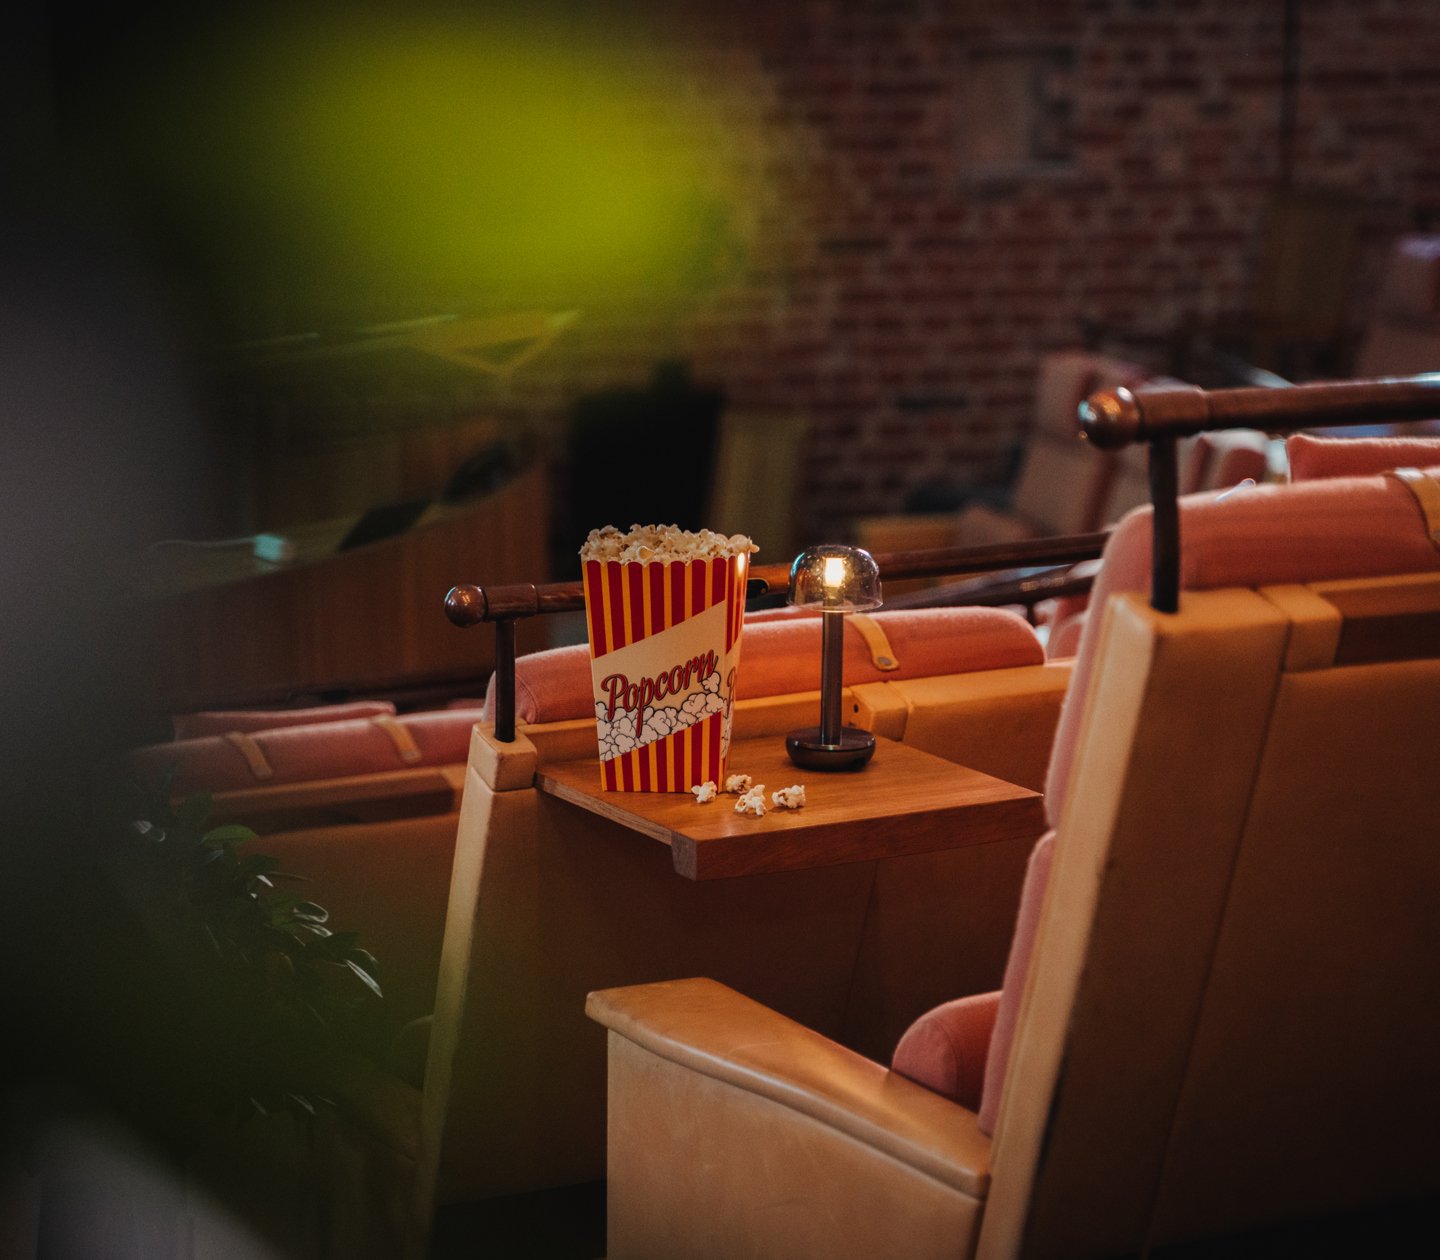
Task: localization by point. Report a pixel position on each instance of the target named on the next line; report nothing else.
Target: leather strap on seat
(402, 739)
(1426, 490)
(881, 653)
(246, 746)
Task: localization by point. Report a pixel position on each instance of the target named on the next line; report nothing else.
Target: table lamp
(836, 580)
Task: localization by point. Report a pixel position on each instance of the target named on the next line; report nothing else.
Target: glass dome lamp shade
(835, 578)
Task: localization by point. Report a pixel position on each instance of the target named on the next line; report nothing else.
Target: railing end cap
(465, 605)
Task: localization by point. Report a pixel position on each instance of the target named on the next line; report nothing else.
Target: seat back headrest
(780, 654)
(1270, 535)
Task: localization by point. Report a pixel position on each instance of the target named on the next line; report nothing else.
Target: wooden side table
(904, 801)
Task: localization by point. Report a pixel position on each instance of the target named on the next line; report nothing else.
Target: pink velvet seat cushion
(303, 754)
(1213, 462)
(945, 1049)
(1012, 988)
(218, 722)
(1065, 632)
(1312, 458)
(1220, 460)
(781, 654)
(962, 1049)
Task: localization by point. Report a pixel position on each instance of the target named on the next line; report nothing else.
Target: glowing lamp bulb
(834, 577)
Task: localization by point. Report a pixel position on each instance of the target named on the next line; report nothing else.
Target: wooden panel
(549, 902)
(904, 801)
(1385, 619)
(368, 618)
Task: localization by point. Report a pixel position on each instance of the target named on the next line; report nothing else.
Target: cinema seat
(1220, 1010)
(1312, 458)
(1307, 458)
(549, 902)
(358, 801)
(1062, 486)
(1403, 332)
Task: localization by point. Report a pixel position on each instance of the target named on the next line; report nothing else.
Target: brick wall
(874, 283)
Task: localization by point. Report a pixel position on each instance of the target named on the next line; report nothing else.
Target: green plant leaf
(309, 911)
(265, 961)
(369, 981)
(302, 1103)
(193, 811)
(341, 945)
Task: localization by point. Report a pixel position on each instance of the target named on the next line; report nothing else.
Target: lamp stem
(832, 665)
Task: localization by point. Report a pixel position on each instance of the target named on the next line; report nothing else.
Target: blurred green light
(500, 158)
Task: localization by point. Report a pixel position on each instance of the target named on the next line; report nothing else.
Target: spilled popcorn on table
(792, 797)
(752, 795)
(753, 802)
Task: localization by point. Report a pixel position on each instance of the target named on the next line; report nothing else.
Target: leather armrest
(707, 1028)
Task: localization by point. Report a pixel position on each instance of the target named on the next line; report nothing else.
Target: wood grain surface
(357, 621)
(904, 801)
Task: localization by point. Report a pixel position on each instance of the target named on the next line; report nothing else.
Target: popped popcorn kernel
(739, 784)
(753, 802)
(704, 792)
(792, 797)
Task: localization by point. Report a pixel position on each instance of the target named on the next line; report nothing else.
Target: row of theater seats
(1212, 1016)
(1402, 334)
(545, 904)
(502, 916)
(1065, 486)
(361, 798)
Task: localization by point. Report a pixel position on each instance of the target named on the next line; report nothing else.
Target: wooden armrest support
(708, 1028)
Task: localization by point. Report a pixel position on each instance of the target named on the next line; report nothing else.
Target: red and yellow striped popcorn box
(664, 650)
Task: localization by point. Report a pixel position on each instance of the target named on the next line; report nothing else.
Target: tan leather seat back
(1234, 1010)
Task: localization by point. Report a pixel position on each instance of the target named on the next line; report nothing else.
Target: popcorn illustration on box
(664, 608)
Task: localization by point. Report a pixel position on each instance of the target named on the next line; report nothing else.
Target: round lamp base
(807, 750)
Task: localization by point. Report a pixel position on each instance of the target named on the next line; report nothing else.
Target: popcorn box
(664, 650)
